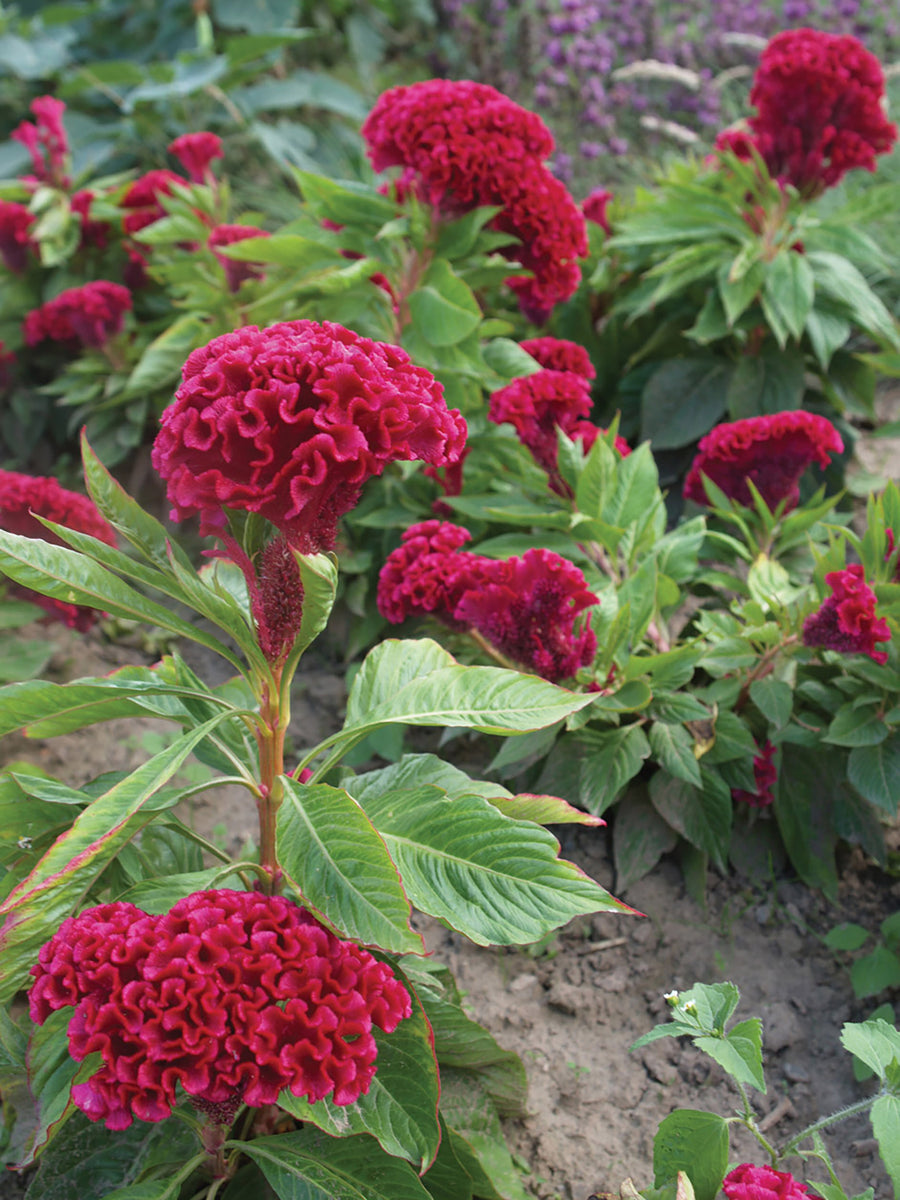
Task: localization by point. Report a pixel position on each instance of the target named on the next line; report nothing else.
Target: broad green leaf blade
(400, 1108)
(673, 747)
(339, 864)
(447, 1179)
(640, 838)
(51, 1073)
(739, 1052)
(694, 1142)
(875, 1042)
(477, 1138)
(319, 575)
(416, 682)
(36, 908)
(790, 287)
(308, 1165)
(700, 815)
(443, 308)
(886, 1127)
(494, 879)
(875, 773)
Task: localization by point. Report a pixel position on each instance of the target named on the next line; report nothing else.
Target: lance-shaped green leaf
(477, 1139)
(496, 880)
(331, 853)
(51, 1073)
(416, 682)
(400, 1108)
(36, 908)
(308, 1165)
(319, 576)
(69, 576)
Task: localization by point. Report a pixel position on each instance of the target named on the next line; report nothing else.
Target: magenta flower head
(818, 99)
(195, 152)
(537, 404)
(142, 199)
(427, 574)
(15, 240)
(235, 271)
(748, 1182)
(766, 776)
(235, 996)
(290, 421)
(846, 620)
(46, 141)
(23, 496)
(772, 451)
(595, 209)
(557, 354)
(88, 315)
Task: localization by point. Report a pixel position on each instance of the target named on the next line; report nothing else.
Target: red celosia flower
(526, 607)
(749, 1182)
(93, 233)
(236, 272)
(15, 223)
(772, 451)
(536, 405)
(557, 354)
(90, 315)
(846, 620)
(290, 421)
(595, 209)
(195, 151)
(21, 496)
(766, 777)
(46, 141)
(233, 995)
(587, 433)
(464, 144)
(818, 98)
(142, 199)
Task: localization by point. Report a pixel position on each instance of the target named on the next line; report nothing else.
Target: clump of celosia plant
(88, 315)
(846, 620)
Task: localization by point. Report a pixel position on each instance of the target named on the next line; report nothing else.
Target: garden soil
(573, 1007)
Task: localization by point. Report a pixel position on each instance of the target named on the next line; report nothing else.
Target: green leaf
(283, 249)
(774, 699)
(417, 682)
(308, 1165)
(23, 658)
(790, 287)
(448, 1179)
(694, 1142)
(344, 201)
(886, 1127)
(838, 278)
(161, 362)
(400, 1108)
(597, 479)
(457, 238)
(508, 359)
(37, 906)
(443, 308)
(875, 1042)
(875, 773)
(673, 747)
(301, 89)
(682, 400)
(339, 864)
(477, 1138)
(874, 972)
(496, 880)
(636, 494)
(701, 816)
(809, 783)
(767, 382)
(593, 767)
(846, 936)
(739, 1052)
(640, 838)
(857, 727)
(319, 576)
(827, 333)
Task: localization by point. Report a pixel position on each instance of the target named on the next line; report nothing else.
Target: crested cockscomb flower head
(93, 233)
(766, 775)
(23, 496)
(46, 141)
(235, 996)
(772, 451)
(846, 619)
(15, 240)
(88, 315)
(819, 113)
(235, 271)
(558, 354)
(749, 1182)
(141, 199)
(537, 405)
(427, 574)
(595, 208)
(290, 421)
(195, 152)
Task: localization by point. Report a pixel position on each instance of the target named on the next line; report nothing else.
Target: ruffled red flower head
(233, 995)
(426, 575)
(818, 98)
(289, 422)
(88, 315)
(235, 271)
(557, 354)
(595, 209)
(21, 496)
(846, 620)
(766, 776)
(142, 199)
(46, 141)
(195, 151)
(537, 404)
(15, 240)
(772, 451)
(749, 1182)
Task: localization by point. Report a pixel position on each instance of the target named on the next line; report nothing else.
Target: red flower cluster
(818, 98)
(539, 404)
(766, 776)
(233, 995)
(749, 1182)
(21, 496)
(15, 224)
(772, 451)
(195, 151)
(290, 421)
(557, 354)
(89, 315)
(526, 607)
(463, 145)
(846, 620)
(93, 233)
(46, 141)
(595, 209)
(235, 272)
(141, 199)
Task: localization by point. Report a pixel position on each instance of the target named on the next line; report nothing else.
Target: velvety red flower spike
(23, 496)
(235, 271)
(772, 451)
(46, 141)
(427, 574)
(234, 996)
(846, 620)
(89, 315)
(766, 776)
(290, 421)
(195, 152)
(537, 404)
(749, 1182)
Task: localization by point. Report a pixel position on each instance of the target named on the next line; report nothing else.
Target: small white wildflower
(652, 68)
(672, 129)
(670, 997)
(690, 1006)
(24, 843)
(744, 41)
